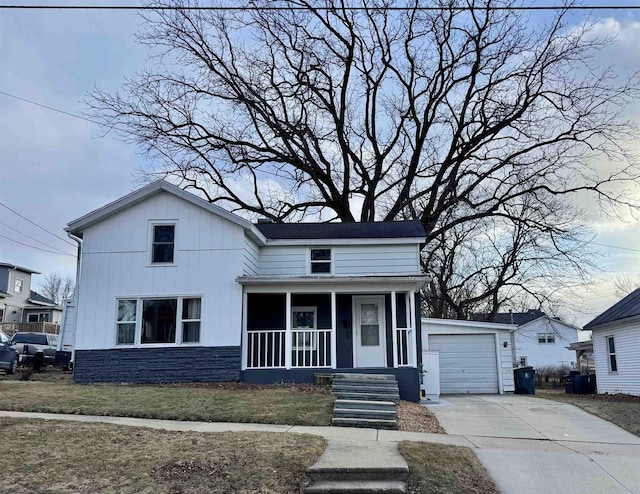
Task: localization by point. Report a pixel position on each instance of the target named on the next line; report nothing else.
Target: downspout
(78, 256)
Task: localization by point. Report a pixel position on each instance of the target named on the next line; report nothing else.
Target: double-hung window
(126, 325)
(303, 324)
(163, 245)
(611, 349)
(546, 338)
(320, 261)
(17, 285)
(191, 308)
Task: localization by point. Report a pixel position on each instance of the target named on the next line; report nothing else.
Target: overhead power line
(37, 248)
(302, 8)
(33, 238)
(50, 108)
(35, 224)
(615, 247)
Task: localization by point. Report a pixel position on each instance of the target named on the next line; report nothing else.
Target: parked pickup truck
(36, 349)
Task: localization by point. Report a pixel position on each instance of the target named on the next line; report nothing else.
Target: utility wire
(35, 224)
(33, 238)
(302, 8)
(615, 247)
(38, 248)
(51, 108)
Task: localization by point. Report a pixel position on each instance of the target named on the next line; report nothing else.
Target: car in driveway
(9, 357)
(36, 349)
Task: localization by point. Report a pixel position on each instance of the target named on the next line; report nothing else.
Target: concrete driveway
(532, 445)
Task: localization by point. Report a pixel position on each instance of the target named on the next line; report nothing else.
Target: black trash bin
(580, 384)
(524, 380)
(570, 382)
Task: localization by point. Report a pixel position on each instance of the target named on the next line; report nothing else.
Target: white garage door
(467, 362)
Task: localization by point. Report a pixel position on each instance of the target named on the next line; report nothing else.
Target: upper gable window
(320, 261)
(546, 338)
(17, 286)
(162, 249)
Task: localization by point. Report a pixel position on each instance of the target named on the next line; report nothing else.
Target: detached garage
(471, 357)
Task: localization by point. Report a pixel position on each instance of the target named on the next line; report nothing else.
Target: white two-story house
(173, 288)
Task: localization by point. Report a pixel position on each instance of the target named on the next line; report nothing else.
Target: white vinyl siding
(371, 259)
(251, 259)
(115, 265)
(284, 261)
(468, 363)
(627, 345)
(543, 354)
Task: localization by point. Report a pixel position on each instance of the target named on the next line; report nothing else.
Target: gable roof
(77, 226)
(309, 231)
(18, 268)
(36, 298)
(517, 318)
(627, 307)
(261, 232)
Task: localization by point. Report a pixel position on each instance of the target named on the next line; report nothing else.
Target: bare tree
(464, 116)
(625, 284)
(57, 287)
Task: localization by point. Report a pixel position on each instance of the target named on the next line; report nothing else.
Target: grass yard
(622, 410)
(49, 456)
(225, 402)
(443, 469)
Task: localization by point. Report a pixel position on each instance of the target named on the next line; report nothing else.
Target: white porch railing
(404, 346)
(311, 348)
(266, 348)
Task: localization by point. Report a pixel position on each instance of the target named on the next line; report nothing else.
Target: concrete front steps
(364, 468)
(365, 400)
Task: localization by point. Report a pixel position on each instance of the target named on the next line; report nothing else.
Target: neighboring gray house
(616, 346)
(540, 340)
(173, 288)
(19, 303)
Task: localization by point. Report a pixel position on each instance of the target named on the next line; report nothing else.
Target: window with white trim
(611, 349)
(163, 243)
(191, 310)
(18, 285)
(303, 325)
(126, 322)
(149, 321)
(523, 361)
(546, 338)
(320, 261)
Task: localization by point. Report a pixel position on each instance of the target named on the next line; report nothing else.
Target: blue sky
(55, 168)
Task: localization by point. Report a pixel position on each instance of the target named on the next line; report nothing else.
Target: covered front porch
(295, 328)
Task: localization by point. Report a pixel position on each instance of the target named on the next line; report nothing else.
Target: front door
(369, 327)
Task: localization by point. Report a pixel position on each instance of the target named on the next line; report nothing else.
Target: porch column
(245, 336)
(394, 328)
(287, 335)
(334, 331)
(414, 341)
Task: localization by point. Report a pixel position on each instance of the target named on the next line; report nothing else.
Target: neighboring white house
(173, 288)
(540, 340)
(544, 342)
(616, 346)
(474, 357)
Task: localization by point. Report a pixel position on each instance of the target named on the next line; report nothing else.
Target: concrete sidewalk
(532, 445)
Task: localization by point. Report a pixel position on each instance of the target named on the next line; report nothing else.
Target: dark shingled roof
(380, 229)
(36, 297)
(627, 307)
(518, 318)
